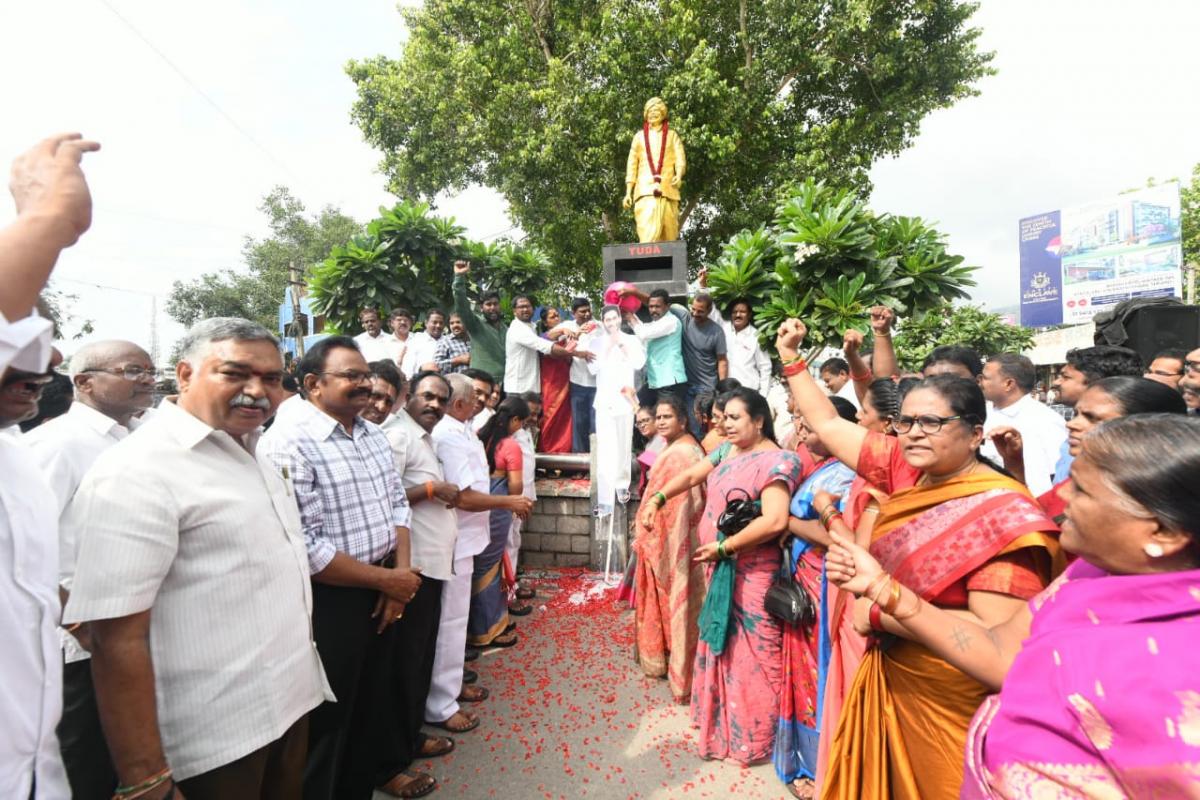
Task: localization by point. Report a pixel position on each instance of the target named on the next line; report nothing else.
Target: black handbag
(788, 601)
(737, 514)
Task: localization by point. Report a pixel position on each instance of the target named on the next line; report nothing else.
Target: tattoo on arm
(960, 637)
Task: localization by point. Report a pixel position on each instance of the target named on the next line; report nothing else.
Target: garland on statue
(662, 153)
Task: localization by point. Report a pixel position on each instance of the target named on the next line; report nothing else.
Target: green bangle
(660, 498)
(721, 554)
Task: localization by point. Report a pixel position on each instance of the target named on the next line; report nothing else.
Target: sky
(202, 109)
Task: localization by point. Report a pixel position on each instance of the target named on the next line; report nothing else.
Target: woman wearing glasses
(964, 537)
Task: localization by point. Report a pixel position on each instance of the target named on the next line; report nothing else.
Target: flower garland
(662, 153)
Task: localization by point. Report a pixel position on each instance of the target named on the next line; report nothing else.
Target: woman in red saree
(966, 537)
(669, 586)
(1097, 675)
(556, 389)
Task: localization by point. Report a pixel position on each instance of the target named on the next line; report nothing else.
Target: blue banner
(1041, 270)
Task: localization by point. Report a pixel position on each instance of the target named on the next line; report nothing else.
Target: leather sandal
(472, 722)
(418, 784)
(473, 694)
(435, 746)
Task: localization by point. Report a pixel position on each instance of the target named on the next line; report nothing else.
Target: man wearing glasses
(355, 517)
(113, 380)
(1167, 367)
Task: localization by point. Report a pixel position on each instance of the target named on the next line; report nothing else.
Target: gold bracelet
(873, 588)
(894, 599)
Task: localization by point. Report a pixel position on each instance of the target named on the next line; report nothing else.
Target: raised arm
(860, 373)
(883, 358)
(843, 439)
(462, 303)
(54, 208)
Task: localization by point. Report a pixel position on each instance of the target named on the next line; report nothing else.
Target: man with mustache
(432, 534)
(387, 391)
(1189, 386)
(192, 583)
(356, 525)
(54, 208)
(454, 350)
(113, 380)
(488, 333)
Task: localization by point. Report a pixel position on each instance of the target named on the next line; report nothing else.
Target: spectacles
(928, 423)
(1192, 366)
(352, 375)
(1164, 373)
(129, 372)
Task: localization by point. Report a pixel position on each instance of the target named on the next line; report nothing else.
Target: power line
(196, 88)
(108, 286)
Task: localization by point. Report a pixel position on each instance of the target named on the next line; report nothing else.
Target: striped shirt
(448, 347)
(186, 522)
(349, 492)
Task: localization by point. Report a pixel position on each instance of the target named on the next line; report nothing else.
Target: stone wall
(559, 531)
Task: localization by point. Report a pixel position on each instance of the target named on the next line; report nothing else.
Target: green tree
(539, 100)
(827, 258)
(1189, 218)
(256, 291)
(987, 333)
(406, 258)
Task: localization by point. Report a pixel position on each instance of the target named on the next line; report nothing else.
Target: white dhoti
(614, 457)
(448, 660)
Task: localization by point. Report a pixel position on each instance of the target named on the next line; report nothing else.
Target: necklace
(656, 171)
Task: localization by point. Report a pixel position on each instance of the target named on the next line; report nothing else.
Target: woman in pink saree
(1097, 675)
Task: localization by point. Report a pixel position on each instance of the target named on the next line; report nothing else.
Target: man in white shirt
(522, 346)
(1006, 382)
(192, 578)
(432, 534)
(465, 465)
(582, 381)
(748, 364)
(113, 381)
(373, 343)
(484, 387)
(54, 208)
(421, 353)
(835, 373)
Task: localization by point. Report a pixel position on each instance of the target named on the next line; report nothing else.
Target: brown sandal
(473, 694)
(435, 746)
(418, 784)
(471, 724)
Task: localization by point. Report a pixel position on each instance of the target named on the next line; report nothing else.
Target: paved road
(570, 716)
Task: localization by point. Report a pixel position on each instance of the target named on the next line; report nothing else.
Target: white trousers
(614, 448)
(448, 660)
(514, 542)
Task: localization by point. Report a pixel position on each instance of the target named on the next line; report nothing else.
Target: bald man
(113, 381)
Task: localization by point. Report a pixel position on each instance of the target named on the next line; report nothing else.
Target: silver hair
(461, 387)
(99, 355)
(195, 344)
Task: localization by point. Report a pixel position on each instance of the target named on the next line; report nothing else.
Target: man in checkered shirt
(454, 349)
(355, 516)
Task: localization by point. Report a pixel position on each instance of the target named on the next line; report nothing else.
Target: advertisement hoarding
(1080, 261)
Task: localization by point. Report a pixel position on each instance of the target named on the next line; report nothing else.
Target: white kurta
(618, 357)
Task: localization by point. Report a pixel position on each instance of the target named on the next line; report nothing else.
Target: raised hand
(1008, 442)
(851, 341)
(789, 337)
(882, 319)
(462, 267)
(47, 181)
(849, 566)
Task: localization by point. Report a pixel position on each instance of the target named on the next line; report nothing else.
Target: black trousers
(272, 772)
(85, 754)
(341, 751)
(405, 681)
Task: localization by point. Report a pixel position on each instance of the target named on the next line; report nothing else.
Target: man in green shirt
(487, 331)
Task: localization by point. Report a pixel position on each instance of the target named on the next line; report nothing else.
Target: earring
(1154, 550)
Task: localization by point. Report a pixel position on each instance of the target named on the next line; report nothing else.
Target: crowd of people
(271, 583)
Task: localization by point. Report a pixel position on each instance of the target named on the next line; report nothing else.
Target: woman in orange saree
(965, 537)
(669, 586)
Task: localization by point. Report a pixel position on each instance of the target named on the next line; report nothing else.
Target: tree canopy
(255, 293)
(539, 99)
(987, 333)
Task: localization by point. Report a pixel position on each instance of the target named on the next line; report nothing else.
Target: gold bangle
(916, 609)
(873, 587)
(894, 599)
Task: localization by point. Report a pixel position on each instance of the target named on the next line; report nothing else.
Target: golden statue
(653, 175)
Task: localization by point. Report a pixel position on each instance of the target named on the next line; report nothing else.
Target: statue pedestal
(651, 265)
